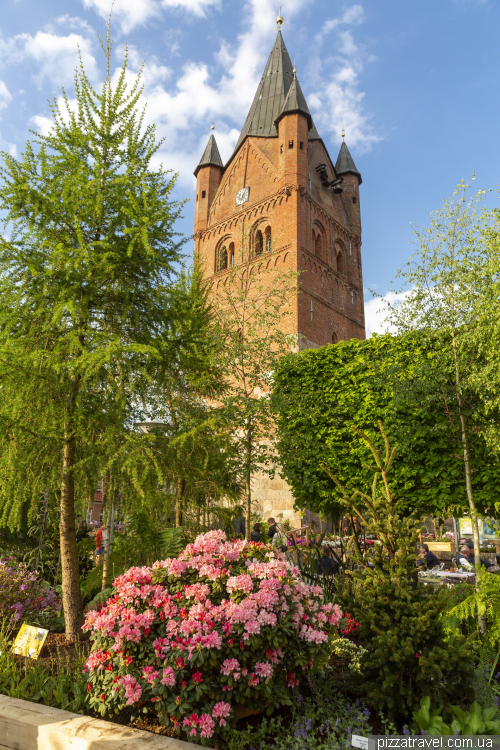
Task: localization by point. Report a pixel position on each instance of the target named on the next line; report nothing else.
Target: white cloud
(129, 13)
(132, 13)
(42, 124)
(56, 56)
(5, 95)
(197, 7)
(12, 149)
(376, 310)
(74, 22)
(336, 100)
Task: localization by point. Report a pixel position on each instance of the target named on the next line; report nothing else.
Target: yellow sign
(29, 641)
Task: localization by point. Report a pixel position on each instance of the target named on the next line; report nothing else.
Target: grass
(56, 682)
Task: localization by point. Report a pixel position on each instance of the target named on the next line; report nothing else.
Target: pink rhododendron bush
(225, 623)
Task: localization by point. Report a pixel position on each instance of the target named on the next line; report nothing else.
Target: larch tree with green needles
(86, 319)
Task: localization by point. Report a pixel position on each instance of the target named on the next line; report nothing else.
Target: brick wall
(313, 232)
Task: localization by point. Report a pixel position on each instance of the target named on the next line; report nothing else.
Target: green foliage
(407, 652)
(320, 394)
(100, 599)
(172, 542)
(429, 720)
(322, 720)
(477, 720)
(484, 600)
(352, 652)
(60, 684)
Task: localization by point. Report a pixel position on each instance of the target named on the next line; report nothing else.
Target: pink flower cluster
(188, 637)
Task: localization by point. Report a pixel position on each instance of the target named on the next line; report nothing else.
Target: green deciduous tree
(86, 315)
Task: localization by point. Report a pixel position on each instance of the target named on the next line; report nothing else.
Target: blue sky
(416, 86)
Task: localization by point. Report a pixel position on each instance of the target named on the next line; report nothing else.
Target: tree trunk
(181, 488)
(107, 545)
(72, 600)
(468, 481)
(248, 485)
(42, 531)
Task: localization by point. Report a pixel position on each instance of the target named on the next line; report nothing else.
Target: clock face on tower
(242, 196)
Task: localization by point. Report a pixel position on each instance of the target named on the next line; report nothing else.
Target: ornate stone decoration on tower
(281, 176)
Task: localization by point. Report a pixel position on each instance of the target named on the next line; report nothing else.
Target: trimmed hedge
(320, 393)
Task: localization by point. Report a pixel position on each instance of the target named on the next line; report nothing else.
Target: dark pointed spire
(270, 95)
(210, 156)
(345, 163)
(295, 102)
(313, 133)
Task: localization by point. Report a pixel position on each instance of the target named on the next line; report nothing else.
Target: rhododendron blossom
(189, 636)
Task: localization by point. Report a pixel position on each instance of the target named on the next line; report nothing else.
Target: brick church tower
(281, 190)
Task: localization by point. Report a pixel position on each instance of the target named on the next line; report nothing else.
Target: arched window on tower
(231, 254)
(341, 266)
(259, 243)
(318, 245)
(221, 257)
(335, 338)
(318, 240)
(268, 239)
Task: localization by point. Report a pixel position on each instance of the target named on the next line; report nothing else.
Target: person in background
(239, 525)
(272, 528)
(326, 565)
(495, 568)
(466, 557)
(255, 535)
(100, 540)
(428, 558)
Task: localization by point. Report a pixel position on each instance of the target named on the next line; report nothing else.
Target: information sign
(358, 741)
(29, 641)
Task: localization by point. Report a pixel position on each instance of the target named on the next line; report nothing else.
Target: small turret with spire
(208, 175)
(351, 180)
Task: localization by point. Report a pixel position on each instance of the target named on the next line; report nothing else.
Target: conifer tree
(408, 654)
(86, 316)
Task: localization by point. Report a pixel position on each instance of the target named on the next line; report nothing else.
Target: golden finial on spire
(213, 125)
(343, 133)
(279, 20)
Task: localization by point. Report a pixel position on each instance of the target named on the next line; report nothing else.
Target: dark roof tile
(210, 156)
(295, 102)
(270, 95)
(345, 163)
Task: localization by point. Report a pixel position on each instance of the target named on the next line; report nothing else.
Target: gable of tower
(252, 168)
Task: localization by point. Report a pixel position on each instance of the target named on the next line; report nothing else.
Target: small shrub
(346, 649)
(225, 623)
(24, 596)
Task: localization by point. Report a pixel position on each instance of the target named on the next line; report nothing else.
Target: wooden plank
(441, 546)
(31, 726)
